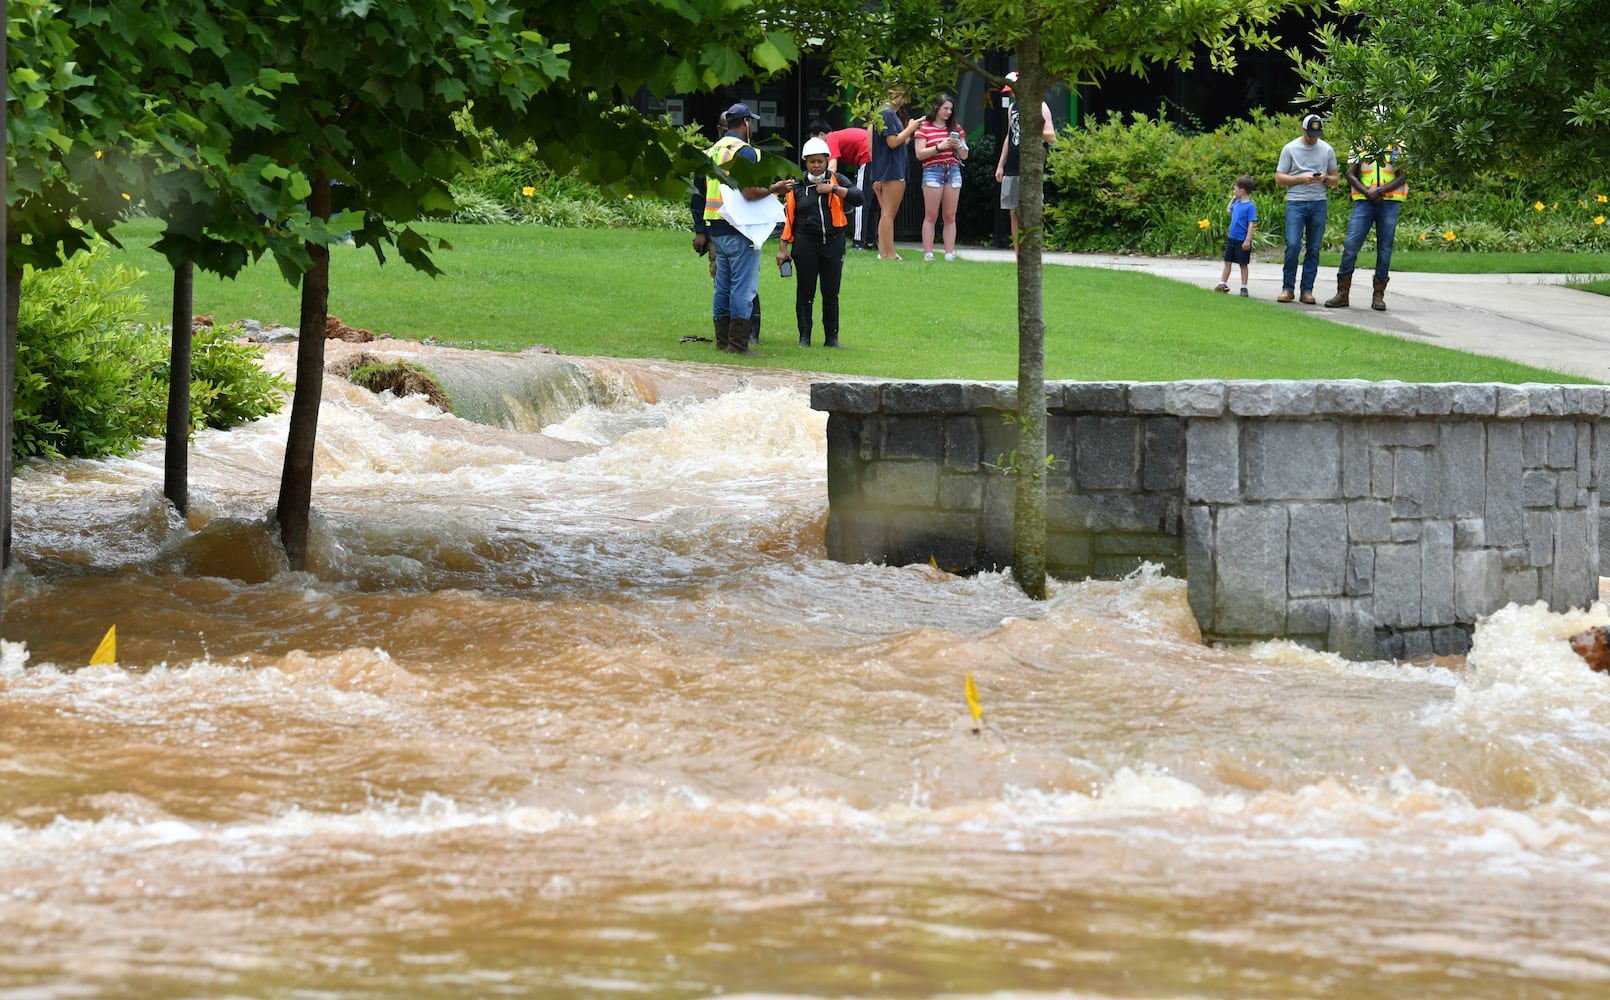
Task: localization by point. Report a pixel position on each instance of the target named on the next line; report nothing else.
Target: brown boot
(1378, 299)
(738, 335)
(1286, 295)
(1344, 284)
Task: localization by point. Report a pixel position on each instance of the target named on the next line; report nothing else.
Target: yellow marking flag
(106, 652)
(972, 701)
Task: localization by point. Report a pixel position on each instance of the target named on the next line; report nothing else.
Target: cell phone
(1319, 173)
(786, 269)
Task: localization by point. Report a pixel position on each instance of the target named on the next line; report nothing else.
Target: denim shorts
(1233, 254)
(942, 175)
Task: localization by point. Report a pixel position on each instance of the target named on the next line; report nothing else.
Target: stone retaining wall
(1376, 519)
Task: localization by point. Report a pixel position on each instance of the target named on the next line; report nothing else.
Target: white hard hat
(815, 147)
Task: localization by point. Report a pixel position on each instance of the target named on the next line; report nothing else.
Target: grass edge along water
(636, 293)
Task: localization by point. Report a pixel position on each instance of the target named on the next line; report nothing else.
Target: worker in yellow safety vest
(737, 258)
(1379, 188)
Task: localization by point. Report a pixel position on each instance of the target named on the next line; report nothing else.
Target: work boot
(1378, 299)
(738, 331)
(1286, 295)
(1307, 299)
(1344, 285)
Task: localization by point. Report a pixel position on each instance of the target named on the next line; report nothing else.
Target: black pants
(818, 262)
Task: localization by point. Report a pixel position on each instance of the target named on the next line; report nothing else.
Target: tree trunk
(176, 454)
(296, 483)
(8, 398)
(1028, 523)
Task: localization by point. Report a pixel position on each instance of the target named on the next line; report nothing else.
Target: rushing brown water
(587, 712)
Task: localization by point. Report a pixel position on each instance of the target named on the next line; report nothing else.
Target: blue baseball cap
(739, 112)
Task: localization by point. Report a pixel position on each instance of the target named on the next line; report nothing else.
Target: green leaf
(776, 53)
(767, 56)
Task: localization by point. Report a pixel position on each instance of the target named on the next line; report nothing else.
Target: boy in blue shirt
(1243, 220)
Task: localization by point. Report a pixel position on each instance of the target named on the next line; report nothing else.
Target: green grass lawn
(630, 293)
(1459, 262)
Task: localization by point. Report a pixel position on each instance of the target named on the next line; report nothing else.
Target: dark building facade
(1201, 98)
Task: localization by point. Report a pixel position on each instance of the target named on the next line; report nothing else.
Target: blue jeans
(737, 276)
(1384, 217)
(1305, 230)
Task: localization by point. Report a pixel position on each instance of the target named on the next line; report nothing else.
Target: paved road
(1529, 318)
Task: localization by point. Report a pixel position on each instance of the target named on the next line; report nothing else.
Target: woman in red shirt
(941, 147)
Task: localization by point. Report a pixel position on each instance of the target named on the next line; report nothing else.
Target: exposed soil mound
(400, 378)
(334, 329)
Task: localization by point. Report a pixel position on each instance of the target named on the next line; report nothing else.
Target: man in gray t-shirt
(1307, 170)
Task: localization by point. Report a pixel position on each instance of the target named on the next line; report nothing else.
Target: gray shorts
(1009, 192)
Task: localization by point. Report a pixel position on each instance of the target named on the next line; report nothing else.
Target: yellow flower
(97, 154)
(1449, 236)
(628, 197)
(1538, 206)
(1204, 224)
(1601, 199)
(126, 196)
(1598, 220)
(528, 190)
(1422, 236)
(1555, 205)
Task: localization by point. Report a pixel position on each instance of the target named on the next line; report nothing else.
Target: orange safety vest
(725, 149)
(834, 202)
(1372, 174)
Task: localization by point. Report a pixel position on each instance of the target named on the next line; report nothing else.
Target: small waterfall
(527, 392)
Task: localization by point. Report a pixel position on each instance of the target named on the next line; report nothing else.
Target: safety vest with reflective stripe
(834, 203)
(1372, 174)
(725, 149)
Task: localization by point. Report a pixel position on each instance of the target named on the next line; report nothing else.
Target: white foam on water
(1529, 706)
(744, 434)
(351, 683)
(1396, 817)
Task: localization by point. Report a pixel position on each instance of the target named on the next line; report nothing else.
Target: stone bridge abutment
(1374, 519)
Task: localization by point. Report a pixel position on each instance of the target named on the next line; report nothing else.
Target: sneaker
(950, 256)
(928, 256)
(1244, 291)
(1222, 287)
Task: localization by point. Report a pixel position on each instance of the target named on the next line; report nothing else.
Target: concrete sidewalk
(1527, 318)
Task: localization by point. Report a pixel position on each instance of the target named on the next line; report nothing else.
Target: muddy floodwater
(580, 708)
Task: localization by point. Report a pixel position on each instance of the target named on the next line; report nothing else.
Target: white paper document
(755, 219)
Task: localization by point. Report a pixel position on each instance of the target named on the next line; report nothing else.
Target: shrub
(1145, 187)
(510, 183)
(477, 207)
(91, 383)
(981, 196)
(228, 385)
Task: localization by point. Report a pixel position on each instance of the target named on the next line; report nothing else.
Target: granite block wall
(1373, 519)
